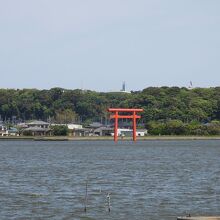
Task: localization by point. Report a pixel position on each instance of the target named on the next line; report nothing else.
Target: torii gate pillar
(116, 116)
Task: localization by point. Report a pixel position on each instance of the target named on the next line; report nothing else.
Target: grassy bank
(147, 138)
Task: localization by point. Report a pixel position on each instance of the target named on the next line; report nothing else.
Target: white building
(129, 132)
(74, 126)
(3, 130)
(70, 126)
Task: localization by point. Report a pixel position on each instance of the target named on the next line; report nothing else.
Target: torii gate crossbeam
(133, 116)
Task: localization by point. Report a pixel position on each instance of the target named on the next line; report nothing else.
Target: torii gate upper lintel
(133, 116)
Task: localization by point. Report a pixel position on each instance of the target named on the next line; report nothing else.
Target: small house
(39, 124)
(37, 128)
(103, 131)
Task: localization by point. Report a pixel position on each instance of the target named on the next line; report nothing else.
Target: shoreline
(147, 138)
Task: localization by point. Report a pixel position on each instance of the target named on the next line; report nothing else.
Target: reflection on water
(146, 180)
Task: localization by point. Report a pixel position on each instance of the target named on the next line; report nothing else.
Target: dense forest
(167, 110)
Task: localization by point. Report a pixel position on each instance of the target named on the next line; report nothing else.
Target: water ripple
(146, 180)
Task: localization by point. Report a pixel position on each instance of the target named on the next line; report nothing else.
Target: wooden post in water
(86, 196)
(109, 202)
(199, 218)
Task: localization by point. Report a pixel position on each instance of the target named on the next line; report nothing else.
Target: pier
(200, 218)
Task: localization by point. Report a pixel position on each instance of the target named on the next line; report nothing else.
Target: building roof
(36, 129)
(95, 125)
(38, 123)
(103, 129)
(22, 125)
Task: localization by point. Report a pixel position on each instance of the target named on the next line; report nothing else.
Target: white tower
(123, 87)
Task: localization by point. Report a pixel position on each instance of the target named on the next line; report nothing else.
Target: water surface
(152, 180)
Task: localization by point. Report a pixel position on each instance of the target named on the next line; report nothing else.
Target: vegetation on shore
(167, 110)
(107, 138)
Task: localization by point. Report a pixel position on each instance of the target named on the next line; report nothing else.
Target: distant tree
(60, 130)
(156, 128)
(167, 110)
(174, 127)
(65, 116)
(27, 133)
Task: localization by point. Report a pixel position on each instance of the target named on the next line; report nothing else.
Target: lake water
(146, 180)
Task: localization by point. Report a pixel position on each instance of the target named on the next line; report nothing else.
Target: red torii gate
(116, 116)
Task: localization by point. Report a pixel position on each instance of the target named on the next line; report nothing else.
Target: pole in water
(86, 196)
(109, 202)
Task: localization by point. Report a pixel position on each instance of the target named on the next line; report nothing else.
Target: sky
(98, 44)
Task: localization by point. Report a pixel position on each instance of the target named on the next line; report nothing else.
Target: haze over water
(147, 180)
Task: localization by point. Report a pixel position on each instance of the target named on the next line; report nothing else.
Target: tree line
(167, 110)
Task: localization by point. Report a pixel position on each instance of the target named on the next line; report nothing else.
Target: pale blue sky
(98, 44)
